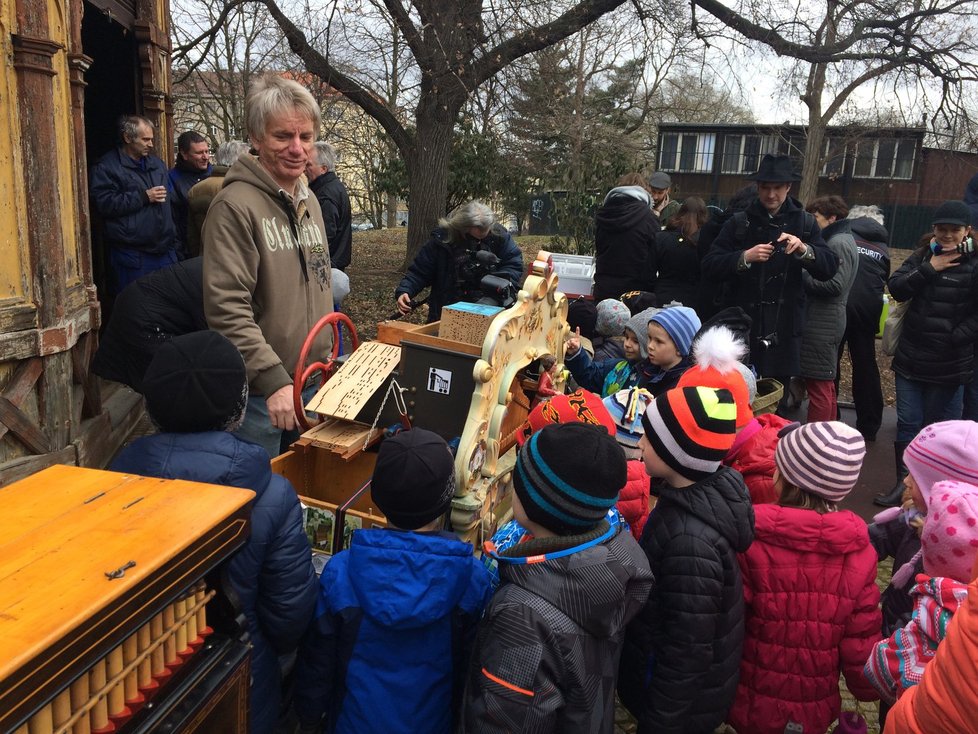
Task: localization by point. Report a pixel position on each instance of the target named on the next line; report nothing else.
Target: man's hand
(793, 245)
(573, 345)
(156, 195)
(759, 253)
(662, 204)
(404, 304)
(281, 410)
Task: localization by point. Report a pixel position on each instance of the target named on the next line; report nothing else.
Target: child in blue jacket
(397, 611)
(196, 389)
(657, 352)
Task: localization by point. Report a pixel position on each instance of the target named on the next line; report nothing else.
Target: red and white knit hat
(823, 458)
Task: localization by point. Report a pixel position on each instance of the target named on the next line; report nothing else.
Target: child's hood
(410, 580)
(722, 502)
(601, 586)
(639, 326)
(807, 531)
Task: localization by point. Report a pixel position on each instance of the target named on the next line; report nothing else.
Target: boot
(893, 497)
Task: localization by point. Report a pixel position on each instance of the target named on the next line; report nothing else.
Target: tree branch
(317, 64)
(536, 38)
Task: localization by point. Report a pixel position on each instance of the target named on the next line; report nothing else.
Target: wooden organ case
(112, 617)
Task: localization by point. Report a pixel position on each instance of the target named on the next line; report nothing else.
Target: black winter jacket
(679, 268)
(771, 293)
(549, 644)
(335, 203)
(624, 247)
(183, 178)
(436, 265)
(117, 187)
(866, 295)
(681, 661)
(937, 343)
(147, 313)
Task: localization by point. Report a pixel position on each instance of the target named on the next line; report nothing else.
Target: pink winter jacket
(811, 612)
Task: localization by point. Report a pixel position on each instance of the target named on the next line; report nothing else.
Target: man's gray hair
(473, 214)
(869, 212)
(325, 155)
(227, 153)
(273, 95)
(129, 127)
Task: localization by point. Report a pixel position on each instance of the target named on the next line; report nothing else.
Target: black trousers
(867, 392)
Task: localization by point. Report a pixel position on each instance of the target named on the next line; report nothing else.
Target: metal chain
(398, 401)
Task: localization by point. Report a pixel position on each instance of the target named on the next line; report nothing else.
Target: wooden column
(33, 52)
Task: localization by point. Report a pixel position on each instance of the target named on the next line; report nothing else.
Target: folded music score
(364, 372)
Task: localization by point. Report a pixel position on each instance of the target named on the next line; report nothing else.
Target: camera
(477, 283)
(768, 341)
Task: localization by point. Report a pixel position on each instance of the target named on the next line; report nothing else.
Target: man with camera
(469, 257)
(758, 259)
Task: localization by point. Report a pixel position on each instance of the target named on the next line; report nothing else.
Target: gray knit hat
(612, 317)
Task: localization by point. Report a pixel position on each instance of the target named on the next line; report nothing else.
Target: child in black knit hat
(397, 611)
(547, 651)
(196, 389)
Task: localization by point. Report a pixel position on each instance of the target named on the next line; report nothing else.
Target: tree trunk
(427, 167)
(808, 189)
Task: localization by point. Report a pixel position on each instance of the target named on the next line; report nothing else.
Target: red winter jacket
(753, 456)
(811, 611)
(633, 500)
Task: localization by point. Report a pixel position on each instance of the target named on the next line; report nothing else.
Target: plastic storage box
(576, 274)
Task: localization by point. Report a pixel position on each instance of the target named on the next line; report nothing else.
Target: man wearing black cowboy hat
(758, 257)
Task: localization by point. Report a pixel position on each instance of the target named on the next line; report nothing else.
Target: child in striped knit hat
(679, 666)
(809, 589)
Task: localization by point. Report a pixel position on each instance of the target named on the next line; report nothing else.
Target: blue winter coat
(181, 179)
(435, 266)
(395, 624)
(117, 187)
(272, 574)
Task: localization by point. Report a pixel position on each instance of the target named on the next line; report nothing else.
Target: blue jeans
(129, 265)
(919, 404)
(257, 426)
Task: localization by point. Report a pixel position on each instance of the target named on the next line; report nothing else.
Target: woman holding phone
(936, 353)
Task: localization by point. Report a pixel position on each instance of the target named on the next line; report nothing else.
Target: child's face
(654, 466)
(631, 347)
(662, 349)
(950, 235)
(915, 494)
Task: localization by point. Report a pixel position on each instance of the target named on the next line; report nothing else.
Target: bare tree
(454, 47)
(845, 44)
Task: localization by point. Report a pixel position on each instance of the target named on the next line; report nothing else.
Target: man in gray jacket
(825, 320)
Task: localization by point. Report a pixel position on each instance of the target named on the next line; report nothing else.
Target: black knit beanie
(196, 382)
(568, 476)
(414, 478)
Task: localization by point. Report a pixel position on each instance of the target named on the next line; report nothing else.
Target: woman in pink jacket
(809, 589)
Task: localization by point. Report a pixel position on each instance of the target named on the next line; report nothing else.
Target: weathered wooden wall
(51, 409)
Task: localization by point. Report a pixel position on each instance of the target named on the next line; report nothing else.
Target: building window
(742, 153)
(834, 155)
(885, 158)
(687, 152)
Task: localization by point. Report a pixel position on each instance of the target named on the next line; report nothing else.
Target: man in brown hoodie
(266, 260)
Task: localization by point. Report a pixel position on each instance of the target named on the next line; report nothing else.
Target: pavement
(878, 472)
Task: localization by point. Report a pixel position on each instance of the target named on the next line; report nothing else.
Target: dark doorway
(111, 91)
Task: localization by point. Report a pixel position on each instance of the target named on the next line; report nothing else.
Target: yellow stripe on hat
(721, 411)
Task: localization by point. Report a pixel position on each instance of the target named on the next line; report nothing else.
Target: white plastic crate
(576, 274)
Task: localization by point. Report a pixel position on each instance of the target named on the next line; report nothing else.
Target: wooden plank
(357, 379)
(391, 332)
(431, 340)
(21, 384)
(17, 469)
(22, 427)
(101, 437)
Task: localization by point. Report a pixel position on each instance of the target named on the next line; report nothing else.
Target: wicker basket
(769, 392)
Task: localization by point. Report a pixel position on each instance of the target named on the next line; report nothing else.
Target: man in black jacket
(761, 253)
(335, 203)
(863, 309)
(193, 166)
